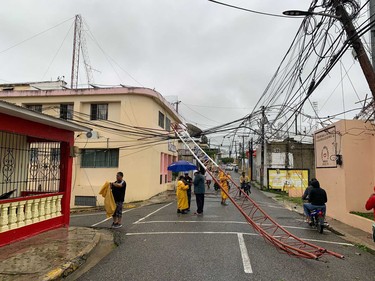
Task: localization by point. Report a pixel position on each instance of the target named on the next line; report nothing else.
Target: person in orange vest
(370, 204)
(223, 178)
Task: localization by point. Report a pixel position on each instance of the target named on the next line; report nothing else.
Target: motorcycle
(317, 219)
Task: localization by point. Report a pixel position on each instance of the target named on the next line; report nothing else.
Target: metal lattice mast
(79, 45)
(76, 51)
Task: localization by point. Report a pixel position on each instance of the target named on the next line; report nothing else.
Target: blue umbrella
(181, 166)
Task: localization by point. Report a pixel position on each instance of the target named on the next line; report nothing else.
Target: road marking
(224, 222)
(244, 254)
(150, 214)
(95, 224)
(225, 233)
(186, 232)
(328, 242)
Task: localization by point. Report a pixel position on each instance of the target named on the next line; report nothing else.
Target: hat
(186, 172)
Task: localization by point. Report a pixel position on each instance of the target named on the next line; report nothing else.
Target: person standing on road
(199, 190)
(182, 199)
(118, 190)
(208, 178)
(224, 186)
(370, 204)
(317, 199)
(189, 182)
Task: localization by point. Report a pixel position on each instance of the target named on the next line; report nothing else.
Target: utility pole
(372, 33)
(243, 154)
(240, 151)
(263, 121)
(251, 158)
(177, 103)
(356, 42)
(235, 150)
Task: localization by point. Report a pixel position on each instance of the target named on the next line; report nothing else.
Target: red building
(36, 153)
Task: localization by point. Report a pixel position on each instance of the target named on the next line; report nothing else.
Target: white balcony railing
(28, 211)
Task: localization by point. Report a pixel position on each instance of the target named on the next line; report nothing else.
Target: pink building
(345, 167)
(35, 172)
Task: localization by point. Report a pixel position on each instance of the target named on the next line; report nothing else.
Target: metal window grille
(99, 158)
(167, 124)
(28, 167)
(66, 111)
(35, 107)
(99, 112)
(85, 201)
(161, 120)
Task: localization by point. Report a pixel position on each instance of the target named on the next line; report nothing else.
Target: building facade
(345, 168)
(131, 132)
(35, 172)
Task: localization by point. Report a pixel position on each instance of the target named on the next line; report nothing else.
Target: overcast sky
(206, 54)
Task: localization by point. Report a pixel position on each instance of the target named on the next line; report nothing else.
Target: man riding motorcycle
(317, 199)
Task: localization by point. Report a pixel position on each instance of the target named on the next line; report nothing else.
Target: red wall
(43, 132)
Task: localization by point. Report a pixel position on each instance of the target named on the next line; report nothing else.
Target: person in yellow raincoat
(182, 199)
(224, 185)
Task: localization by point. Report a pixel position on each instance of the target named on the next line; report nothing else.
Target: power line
(249, 10)
(35, 35)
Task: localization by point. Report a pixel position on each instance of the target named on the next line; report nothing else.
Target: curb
(67, 268)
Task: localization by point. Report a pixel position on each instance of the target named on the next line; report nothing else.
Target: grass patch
(369, 216)
(282, 195)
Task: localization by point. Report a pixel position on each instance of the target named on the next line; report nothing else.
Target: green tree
(227, 160)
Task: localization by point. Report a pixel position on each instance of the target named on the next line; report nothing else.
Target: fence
(28, 166)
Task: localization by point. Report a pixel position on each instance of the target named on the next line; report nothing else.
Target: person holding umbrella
(182, 199)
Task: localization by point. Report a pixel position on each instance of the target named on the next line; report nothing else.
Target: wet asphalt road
(157, 244)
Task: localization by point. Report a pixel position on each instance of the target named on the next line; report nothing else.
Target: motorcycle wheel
(320, 225)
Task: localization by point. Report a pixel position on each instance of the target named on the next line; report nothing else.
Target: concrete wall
(139, 159)
(348, 186)
(301, 156)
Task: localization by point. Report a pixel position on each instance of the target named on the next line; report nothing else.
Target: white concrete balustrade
(25, 212)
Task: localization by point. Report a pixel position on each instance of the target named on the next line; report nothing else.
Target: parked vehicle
(229, 167)
(317, 219)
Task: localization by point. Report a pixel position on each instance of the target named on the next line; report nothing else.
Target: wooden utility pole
(372, 33)
(356, 43)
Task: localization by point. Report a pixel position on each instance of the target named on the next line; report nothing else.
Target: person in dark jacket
(118, 190)
(305, 195)
(189, 182)
(199, 190)
(317, 199)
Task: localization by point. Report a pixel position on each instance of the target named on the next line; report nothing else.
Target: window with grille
(167, 124)
(161, 120)
(35, 107)
(99, 112)
(66, 111)
(99, 158)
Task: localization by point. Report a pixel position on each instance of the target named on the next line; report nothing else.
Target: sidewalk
(351, 234)
(50, 255)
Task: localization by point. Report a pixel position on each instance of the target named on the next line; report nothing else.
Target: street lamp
(298, 13)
